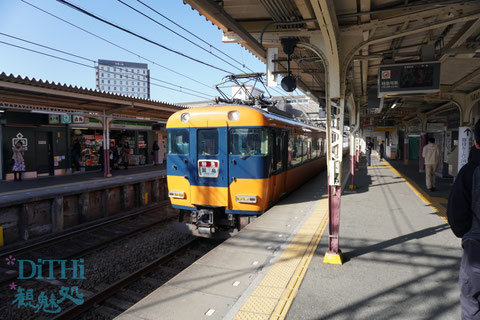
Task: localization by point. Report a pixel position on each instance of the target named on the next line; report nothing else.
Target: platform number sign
(24, 141)
(208, 168)
(53, 119)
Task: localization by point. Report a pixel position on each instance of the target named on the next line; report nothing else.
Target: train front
(215, 158)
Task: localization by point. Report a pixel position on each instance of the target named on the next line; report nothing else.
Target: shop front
(45, 144)
(88, 139)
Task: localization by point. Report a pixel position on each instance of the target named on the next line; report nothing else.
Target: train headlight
(246, 198)
(176, 194)
(233, 115)
(184, 117)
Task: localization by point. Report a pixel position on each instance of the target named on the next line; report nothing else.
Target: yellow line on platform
(274, 295)
(433, 202)
(71, 184)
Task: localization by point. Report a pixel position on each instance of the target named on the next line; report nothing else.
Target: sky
(21, 20)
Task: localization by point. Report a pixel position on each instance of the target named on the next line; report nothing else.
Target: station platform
(14, 192)
(401, 259)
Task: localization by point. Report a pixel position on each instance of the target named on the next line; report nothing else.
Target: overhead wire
(85, 65)
(91, 60)
(141, 37)
(116, 45)
(193, 34)
(178, 34)
(130, 51)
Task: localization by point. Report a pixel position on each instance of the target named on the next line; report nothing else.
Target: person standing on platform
(76, 154)
(431, 154)
(18, 161)
(463, 213)
(126, 154)
(155, 149)
(369, 152)
(382, 150)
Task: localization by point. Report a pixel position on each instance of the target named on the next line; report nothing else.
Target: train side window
(207, 142)
(297, 151)
(248, 141)
(278, 150)
(178, 141)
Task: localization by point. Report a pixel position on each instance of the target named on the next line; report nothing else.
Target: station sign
(406, 79)
(465, 137)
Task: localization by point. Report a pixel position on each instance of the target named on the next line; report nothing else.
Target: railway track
(116, 297)
(82, 240)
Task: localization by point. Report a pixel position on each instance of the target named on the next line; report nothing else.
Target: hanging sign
(53, 119)
(465, 137)
(66, 119)
(24, 141)
(78, 119)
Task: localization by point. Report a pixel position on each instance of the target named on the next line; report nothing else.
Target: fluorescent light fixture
(394, 105)
(48, 112)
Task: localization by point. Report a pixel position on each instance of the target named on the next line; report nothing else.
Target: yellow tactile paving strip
(275, 293)
(434, 202)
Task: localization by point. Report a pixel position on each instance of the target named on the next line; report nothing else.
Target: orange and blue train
(228, 164)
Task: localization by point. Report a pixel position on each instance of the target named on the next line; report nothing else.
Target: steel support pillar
(405, 151)
(335, 113)
(106, 146)
(353, 161)
(423, 142)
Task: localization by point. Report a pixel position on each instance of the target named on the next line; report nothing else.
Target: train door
(212, 167)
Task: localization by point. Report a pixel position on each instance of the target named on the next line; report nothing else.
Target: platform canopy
(371, 33)
(24, 94)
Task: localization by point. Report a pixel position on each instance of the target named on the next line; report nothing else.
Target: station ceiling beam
(215, 13)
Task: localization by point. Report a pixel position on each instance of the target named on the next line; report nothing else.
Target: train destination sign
(418, 78)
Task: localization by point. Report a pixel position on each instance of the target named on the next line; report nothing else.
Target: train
(227, 164)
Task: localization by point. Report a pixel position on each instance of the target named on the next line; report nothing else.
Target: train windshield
(178, 142)
(207, 142)
(248, 141)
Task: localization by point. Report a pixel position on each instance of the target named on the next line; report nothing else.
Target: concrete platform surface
(402, 259)
(221, 284)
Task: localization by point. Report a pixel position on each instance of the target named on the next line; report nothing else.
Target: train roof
(248, 116)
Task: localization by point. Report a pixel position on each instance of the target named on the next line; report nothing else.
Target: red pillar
(352, 172)
(334, 219)
(405, 151)
(423, 142)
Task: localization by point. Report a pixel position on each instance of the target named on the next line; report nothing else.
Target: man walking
(430, 153)
(463, 214)
(369, 152)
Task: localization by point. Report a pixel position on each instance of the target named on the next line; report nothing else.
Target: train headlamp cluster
(246, 199)
(234, 115)
(184, 117)
(176, 194)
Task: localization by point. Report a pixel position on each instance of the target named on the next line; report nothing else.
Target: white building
(128, 78)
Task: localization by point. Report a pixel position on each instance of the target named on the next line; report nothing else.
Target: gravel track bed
(104, 266)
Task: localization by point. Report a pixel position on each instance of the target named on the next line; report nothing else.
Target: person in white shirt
(431, 154)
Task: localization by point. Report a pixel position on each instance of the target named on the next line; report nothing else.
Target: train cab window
(207, 142)
(178, 141)
(248, 141)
